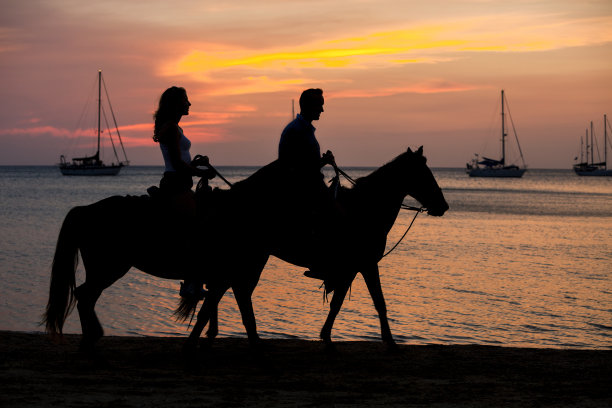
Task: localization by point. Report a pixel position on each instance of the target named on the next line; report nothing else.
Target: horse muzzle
(437, 211)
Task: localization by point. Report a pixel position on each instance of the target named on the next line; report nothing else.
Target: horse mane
(382, 176)
(268, 176)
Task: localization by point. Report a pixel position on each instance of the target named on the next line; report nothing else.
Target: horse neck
(382, 195)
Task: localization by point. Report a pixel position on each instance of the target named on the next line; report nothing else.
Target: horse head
(422, 185)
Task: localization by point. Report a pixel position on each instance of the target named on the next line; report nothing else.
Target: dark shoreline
(150, 372)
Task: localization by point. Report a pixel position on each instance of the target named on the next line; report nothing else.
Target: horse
(95, 231)
(369, 210)
(224, 226)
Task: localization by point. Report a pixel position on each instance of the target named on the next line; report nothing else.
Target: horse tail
(63, 282)
(185, 310)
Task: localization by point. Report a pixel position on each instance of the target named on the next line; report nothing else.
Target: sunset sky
(395, 74)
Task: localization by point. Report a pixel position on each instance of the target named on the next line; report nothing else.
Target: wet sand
(150, 372)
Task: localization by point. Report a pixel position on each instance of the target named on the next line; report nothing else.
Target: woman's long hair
(169, 104)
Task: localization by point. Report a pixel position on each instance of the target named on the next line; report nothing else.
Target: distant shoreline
(149, 371)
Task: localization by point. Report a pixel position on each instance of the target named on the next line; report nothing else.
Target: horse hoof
(392, 346)
(330, 347)
(257, 345)
(88, 341)
(207, 343)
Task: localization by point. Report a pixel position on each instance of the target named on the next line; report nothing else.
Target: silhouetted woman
(179, 170)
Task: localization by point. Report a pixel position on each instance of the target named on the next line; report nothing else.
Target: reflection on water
(514, 262)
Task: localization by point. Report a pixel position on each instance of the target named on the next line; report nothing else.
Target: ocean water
(514, 262)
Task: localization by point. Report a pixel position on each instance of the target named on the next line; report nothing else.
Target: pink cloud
(199, 135)
(39, 130)
(137, 127)
(424, 88)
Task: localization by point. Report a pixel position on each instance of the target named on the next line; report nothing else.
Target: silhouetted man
(299, 149)
(300, 155)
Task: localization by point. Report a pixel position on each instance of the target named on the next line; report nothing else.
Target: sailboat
(584, 168)
(486, 167)
(93, 165)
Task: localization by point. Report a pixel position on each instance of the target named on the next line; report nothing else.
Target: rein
(203, 160)
(340, 172)
(219, 175)
(417, 210)
(405, 207)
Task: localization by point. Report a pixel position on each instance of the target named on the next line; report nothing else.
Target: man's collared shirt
(298, 147)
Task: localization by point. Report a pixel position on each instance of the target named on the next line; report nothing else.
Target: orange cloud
(235, 71)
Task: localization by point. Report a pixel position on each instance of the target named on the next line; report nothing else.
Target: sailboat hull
(76, 170)
(594, 172)
(492, 172)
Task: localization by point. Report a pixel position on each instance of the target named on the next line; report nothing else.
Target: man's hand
(328, 158)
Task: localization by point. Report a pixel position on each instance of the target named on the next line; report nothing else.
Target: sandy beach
(150, 372)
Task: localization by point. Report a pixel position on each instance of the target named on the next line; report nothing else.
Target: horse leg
(207, 313)
(97, 278)
(213, 322)
(244, 299)
(251, 268)
(87, 295)
(372, 279)
(334, 308)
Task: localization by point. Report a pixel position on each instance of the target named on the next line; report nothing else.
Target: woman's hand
(200, 160)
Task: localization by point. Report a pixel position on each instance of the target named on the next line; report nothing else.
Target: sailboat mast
(605, 142)
(99, 108)
(592, 149)
(503, 160)
(586, 140)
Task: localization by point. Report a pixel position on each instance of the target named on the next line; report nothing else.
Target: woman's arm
(172, 137)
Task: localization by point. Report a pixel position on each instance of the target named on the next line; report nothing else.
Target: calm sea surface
(516, 262)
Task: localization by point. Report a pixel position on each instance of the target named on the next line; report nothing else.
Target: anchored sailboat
(93, 165)
(584, 168)
(485, 167)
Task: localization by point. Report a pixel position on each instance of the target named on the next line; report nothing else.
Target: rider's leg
(184, 206)
(326, 226)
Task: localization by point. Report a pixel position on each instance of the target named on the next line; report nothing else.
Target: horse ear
(420, 151)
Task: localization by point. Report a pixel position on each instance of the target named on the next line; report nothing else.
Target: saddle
(168, 200)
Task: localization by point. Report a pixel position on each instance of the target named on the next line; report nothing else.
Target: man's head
(311, 104)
